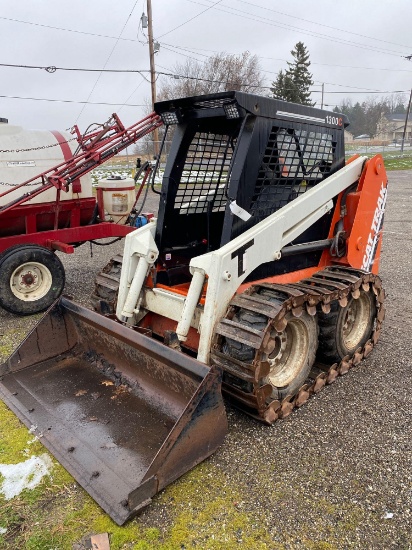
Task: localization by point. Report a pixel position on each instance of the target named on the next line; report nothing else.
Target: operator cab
(234, 149)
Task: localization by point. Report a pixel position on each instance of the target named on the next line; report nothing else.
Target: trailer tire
(31, 278)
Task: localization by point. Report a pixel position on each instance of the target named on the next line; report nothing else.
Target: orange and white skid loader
(258, 278)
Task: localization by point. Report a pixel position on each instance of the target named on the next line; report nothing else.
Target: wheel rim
(356, 321)
(31, 281)
(288, 353)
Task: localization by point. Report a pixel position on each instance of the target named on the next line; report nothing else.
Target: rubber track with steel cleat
(245, 383)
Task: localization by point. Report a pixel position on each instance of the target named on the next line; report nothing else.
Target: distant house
(391, 127)
(348, 137)
(363, 137)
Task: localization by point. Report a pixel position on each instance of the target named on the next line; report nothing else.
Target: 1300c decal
(334, 120)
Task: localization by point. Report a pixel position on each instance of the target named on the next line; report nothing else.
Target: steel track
(244, 383)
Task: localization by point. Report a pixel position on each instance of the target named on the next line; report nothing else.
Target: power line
(364, 90)
(211, 81)
(107, 61)
(345, 86)
(184, 55)
(191, 19)
(210, 7)
(194, 48)
(368, 92)
(53, 69)
(66, 30)
(294, 17)
(360, 91)
(69, 101)
(272, 23)
(130, 96)
(52, 100)
(286, 60)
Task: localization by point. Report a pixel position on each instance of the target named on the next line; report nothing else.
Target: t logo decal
(239, 253)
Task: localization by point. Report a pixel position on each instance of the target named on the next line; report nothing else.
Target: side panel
(364, 215)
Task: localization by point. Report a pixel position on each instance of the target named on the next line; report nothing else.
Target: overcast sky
(355, 46)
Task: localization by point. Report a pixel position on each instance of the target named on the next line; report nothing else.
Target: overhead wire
(104, 70)
(53, 69)
(191, 19)
(203, 49)
(295, 17)
(272, 72)
(140, 30)
(168, 74)
(184, 55)
(360, 91)
(286, 60)
(216, 51)
(107, 61)
(68, 101)
(10, 19)
(261, 19)
(130, 96)
(98, 35)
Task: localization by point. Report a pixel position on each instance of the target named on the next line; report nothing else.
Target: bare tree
(218, 73)
(396, 103)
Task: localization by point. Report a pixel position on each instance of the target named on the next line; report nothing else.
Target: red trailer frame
(61, 224)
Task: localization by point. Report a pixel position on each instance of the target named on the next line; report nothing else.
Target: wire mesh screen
(205, 174)
(293, 162)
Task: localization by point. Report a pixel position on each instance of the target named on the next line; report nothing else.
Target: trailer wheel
(31, 279)
(344, 329)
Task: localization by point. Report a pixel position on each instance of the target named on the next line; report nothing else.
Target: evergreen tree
(279, 85)
(293, 84)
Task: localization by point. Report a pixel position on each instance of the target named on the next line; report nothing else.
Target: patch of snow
(2, 530)
(25, 475)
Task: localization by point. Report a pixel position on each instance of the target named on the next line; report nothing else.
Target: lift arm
(227, 267)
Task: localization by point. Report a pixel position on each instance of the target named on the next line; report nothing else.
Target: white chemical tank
(26, 153)
(116, 197)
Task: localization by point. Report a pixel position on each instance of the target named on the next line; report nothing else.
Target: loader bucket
(123, 413)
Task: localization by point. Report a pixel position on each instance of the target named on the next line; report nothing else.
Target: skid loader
(258, 278)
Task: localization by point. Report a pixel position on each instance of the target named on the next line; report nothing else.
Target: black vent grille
(212, 103)
(205, 174)
(293, 162)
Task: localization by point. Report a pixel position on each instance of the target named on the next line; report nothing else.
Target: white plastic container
(31, 152)
(116, 197)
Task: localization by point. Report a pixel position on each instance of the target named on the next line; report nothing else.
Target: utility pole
(406, 121)
(323, 92)
(152, 72)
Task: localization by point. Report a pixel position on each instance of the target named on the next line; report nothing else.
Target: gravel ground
(336, 473)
